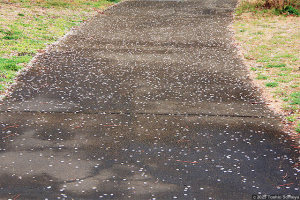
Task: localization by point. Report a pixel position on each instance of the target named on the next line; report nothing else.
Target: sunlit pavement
(146, 101)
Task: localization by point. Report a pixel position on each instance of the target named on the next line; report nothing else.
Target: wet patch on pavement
(143, 156)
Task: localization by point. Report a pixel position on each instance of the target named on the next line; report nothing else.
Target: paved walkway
(148, 100)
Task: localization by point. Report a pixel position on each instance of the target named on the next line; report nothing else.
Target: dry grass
(270, 45)
(272, 3)
(275, 7)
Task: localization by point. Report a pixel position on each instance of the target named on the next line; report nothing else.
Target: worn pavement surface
(146, 101)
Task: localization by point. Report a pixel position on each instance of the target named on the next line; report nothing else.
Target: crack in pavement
(139, 113)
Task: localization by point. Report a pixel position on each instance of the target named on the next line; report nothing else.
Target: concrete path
(147, 101)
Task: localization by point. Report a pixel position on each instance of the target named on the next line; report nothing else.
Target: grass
(291, 118)
(272, 84)
(261, 77)
(288, 7)
(298, 128)
(295, 98)
(270, 43)
(28, 26)
(276, 65)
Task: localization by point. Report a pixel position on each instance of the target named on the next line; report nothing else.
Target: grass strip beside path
(270, 45)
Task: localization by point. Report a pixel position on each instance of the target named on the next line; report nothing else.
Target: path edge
(47, 49)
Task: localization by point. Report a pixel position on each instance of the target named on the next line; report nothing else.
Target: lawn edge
(274, 105)
(6, 93)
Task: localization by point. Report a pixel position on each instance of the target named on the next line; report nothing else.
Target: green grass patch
(9, 67)
(289, 10)
(261, 77)
(13, 64)
(291, 118)
(272, 84)
(295, 98)
(276, 65)
(297, 129)
(282, 74)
